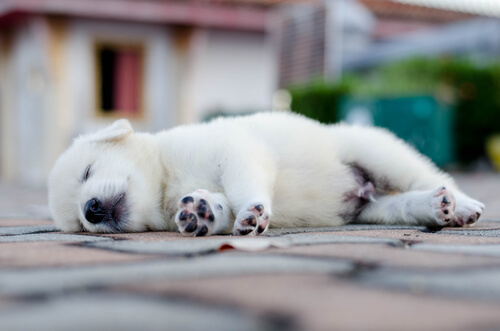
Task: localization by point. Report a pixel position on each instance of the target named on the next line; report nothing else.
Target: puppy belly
(313, 196)
(363, 192)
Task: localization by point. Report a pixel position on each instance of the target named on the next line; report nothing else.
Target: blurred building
(406, 28)
(318, 42)
(71, 66)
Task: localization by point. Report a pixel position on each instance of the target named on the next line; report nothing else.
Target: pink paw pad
(252, 221)
(444, 204)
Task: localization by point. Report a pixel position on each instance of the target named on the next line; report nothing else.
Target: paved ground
(356, 277)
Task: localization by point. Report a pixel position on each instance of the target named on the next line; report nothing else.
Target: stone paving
(355, 277)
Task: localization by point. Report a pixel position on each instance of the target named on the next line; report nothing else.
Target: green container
(422, 121)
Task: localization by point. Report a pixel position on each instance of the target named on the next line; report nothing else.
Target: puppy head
(107, 181)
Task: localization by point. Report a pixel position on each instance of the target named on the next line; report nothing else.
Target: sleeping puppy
(243, 175)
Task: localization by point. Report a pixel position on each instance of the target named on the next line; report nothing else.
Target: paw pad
(443, 204)
(195, 217)
(251, 221)
(456, 210)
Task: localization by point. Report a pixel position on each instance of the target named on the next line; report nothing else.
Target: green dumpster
(422, 121)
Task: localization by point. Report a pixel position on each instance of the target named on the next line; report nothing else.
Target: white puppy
(245, 174)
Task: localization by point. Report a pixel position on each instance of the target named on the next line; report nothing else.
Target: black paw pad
(245, 231)
(202, 206)
(187, 200)
(259, 208)
(191, 227)
(204, 211)
(250, 220)
(186, 215)
(203, 231)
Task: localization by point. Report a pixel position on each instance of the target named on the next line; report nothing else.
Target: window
(119, 79)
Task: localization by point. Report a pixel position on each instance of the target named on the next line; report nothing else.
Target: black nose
(94, 211)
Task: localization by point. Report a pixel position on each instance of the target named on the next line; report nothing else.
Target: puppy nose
(94, 212)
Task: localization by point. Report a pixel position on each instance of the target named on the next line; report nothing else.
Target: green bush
(318, 100)
(405, 78)
(477, 107)
(473, 89)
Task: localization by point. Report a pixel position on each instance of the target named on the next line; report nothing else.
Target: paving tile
(416, 236)
(334, 237)
(17, 201)
(477, 233)
(54, 280)
(483, 224)
(390, 256)
(177, 245)
(24, 222)
(477, 283)
(46, 254)
(321, 302)
(149, 236)
(51, 236)
(483, 186)
(350, 227)
(16, 230)
(481, 250)
(6, 303)
(120, 312)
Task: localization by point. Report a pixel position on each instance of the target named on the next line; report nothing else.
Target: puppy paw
(195, 216)
(251, 221)
(467, 211)
(443, 206)
(455, 210)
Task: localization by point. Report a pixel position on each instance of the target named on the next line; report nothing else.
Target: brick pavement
(356, 277)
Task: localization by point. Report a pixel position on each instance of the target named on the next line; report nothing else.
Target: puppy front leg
(248, 186)
(252, 220)
(202, 213)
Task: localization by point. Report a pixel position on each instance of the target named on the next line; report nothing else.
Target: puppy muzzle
(109, 212)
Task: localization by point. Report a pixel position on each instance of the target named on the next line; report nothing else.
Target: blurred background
(429, 70)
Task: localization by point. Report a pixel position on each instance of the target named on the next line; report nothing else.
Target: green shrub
(416, 76)
(473, 89)
(318, 100)
(477, 107)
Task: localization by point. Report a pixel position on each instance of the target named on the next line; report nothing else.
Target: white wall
(48, 95)
(231, 71)
(48, 84)
(158, 98)
(25, 104)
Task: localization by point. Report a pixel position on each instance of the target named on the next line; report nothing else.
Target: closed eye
(87, 173)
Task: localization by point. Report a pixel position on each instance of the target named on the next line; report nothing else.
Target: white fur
(275, 169)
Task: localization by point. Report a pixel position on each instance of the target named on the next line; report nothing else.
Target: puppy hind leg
(391, 163)
(393, 166)
(365, 188)
(467, 210)
(431, 207)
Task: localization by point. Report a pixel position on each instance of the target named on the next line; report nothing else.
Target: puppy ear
(120, 129)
